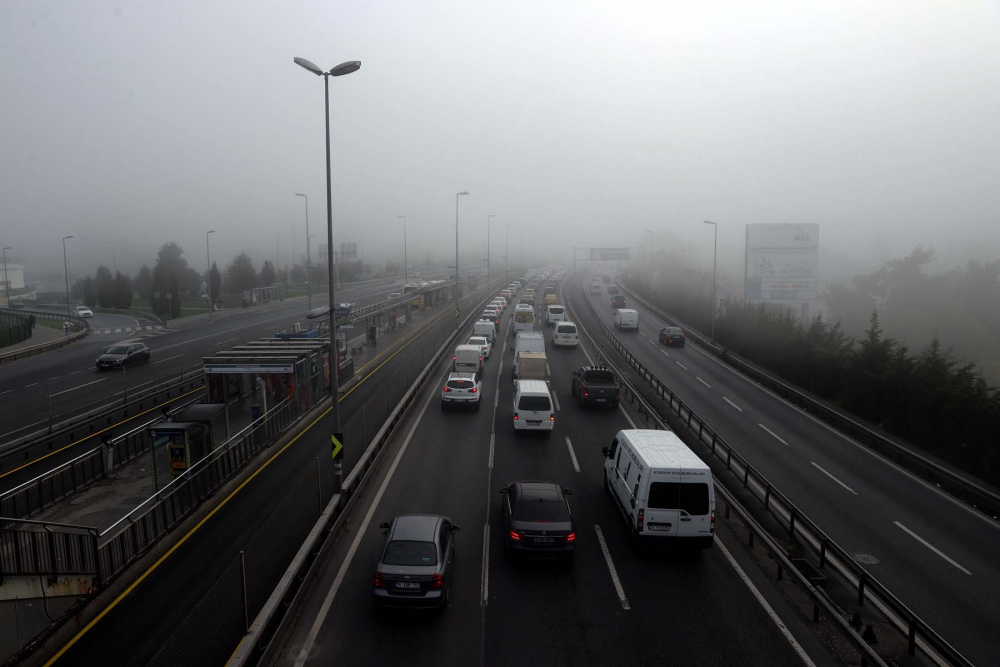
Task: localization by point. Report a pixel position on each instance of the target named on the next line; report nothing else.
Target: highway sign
(337, 446)
(609, 253)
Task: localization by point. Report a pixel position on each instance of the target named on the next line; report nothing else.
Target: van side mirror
(511, 348)
(455, 529)
(567, 492)
(606, 452)
(503, 490)
(384, 525)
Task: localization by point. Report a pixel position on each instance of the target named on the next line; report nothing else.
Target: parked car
(83, 311)
(537, 521)
(673, 336)
(596, 385)
(462, 390)
(414, 566)
(120, 356)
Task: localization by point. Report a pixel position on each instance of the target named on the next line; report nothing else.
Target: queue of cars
(663, 491)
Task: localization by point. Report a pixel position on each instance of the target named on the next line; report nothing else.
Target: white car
(484, 344)
(461, 390)
(83, 311)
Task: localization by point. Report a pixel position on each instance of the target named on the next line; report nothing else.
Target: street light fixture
(208, 273)
(406, 273)
(308, 256)
(66, 270)
(715, 249)
(339, 70)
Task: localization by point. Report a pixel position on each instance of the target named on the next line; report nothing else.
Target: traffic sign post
(337, 452)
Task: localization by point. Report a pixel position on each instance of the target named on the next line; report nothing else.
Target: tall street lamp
(715, 249)
(457, 279)
(208, 273)
(492, 215)
(6, 280)
(66, 270)
(339, 70)
(506, 251)
(308, 256)
(114, 262)
(650, 260)
(406, 274)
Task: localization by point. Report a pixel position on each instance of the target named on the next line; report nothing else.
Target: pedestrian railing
(827, 552)
(44, 548)
(35, 495)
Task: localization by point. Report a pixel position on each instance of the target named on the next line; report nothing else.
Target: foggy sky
(576, 123)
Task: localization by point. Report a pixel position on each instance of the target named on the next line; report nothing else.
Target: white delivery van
(626, 318)
(485, 328)
(564, 334)
(526, 341)
(524, 317)
(554, 313)
(468, 359)
(533, 406)
(664, 491)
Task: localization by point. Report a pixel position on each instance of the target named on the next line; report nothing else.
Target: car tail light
(473, 390)
(618, 393)
(437, 581)
(515, 416)
(447, 389)
(641, 520)
(586, 393)
(516, 536)
(552, 417)
(379, 581)
(480, 360)
(571, 537)
(455, 358)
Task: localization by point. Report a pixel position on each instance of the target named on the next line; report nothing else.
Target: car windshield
(460, 384)
(546, 511)
(600, 377)
(409, 552)
(118, 349)
(692, 498)
(534, 403)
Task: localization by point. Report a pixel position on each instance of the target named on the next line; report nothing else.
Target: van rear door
(694, 506)
(663, 516)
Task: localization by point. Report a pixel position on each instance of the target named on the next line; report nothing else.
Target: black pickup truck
(596, 385)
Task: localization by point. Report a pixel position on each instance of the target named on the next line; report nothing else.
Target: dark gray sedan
(537, 521)
(119, 356)
(414, 568)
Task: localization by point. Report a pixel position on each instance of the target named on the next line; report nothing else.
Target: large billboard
(609, 253)
(782, 265)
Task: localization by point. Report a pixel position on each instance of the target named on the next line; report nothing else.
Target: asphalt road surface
(678, 608)
(935, 553)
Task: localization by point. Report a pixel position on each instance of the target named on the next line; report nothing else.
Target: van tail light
(473, 390)
(641, 520)
(552, 417)
(437, 581)
(571, 537)
(480, 359)
(379, 581)
(516, 536)
(711, 525)
(515, 416)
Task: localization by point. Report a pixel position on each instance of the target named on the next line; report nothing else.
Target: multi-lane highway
(613, 606)
(935, 553)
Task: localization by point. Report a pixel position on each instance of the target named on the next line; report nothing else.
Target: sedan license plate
(407, 584)
(545, 540)
(661, 527)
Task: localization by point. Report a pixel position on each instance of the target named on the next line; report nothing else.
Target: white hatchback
(461, 390)
(484, 344)
(83, 311)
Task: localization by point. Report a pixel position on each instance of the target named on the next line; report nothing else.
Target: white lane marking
(118, 330)
(931, 547)
(702, 381)
(485, 587)
(55, 378)
(665, 352)
(80, 387)
(652, 342)
(681, 365)
(611, 568)
(555, 400)
(775, 435)
(626, 416)
(167, 359)
(30, 385)
(548, 370)
(642, 333)
(732, 404)
(219, 333)
(496, 400)
(493, 437)
(228, 340)
(767, 607)
(73, 373)
(6, 392)
(817, 466)
(362, 530)
(572, 454)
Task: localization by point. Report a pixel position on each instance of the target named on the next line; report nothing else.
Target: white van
(524, 317)
(533, 406)
(485, 328)
(554, 313)
(526, 341)
(468, 359)
(564, 334)
(662, 488)
(626, 318)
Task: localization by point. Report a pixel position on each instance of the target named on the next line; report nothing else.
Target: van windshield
(566, 329)
(534, 404)
(555, 311)
(692, 498)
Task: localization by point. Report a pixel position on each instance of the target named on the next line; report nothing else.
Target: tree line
(926, 396)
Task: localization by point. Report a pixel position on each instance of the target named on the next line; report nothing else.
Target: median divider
(964, 488)
(827, 552)
(257, 643)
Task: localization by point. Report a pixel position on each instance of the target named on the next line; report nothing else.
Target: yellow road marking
(77, 442)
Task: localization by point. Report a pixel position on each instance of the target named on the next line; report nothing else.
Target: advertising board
(782, 265)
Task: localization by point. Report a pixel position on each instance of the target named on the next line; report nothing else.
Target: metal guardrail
(21, 353)
(257, 639)
(130, 312)
(959, 486)
(917, 632)
(134, 533)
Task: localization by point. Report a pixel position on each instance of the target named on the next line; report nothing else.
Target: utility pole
(488, 248)
(715, 251)
(308, 256)
(66, 270)
(406, 273)
(458, 279)
(6, 280)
